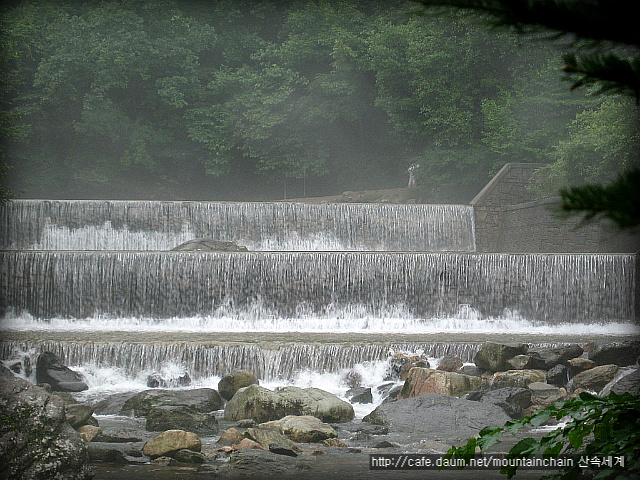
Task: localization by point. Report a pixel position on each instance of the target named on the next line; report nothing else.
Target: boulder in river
(595, 379)
(180, 417)
(302, 428)
(198, 399)
(517, 378)
(495, 356)
(264, 405)
(421, 381)
(234, 381)
(171, 441)
(35, 439)
(51, 370)
(622, 354)
(547, 358)
(435, 417)
(513, 400)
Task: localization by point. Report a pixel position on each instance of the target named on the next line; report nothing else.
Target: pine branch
(619, 201)
(588, 19)
(611, 73)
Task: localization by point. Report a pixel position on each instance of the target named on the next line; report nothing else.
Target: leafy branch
(595, 427)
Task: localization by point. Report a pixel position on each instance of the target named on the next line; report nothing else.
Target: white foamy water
(354, 319)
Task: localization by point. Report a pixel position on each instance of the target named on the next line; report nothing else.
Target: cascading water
(147, 225)
(333, 289)
(550, 288)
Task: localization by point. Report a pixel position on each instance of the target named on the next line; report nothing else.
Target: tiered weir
(75, 272)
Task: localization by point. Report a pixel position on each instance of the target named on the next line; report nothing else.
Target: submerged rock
(254, 463)
(208, 245)
(35, 439)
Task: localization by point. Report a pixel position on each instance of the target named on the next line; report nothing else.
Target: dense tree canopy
(244, 99)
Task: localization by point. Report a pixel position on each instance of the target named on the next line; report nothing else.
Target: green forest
(267, 100)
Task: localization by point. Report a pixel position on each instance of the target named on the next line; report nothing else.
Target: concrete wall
(508, 219)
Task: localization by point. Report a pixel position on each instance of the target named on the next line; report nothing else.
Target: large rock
(264, 405)
(234, 381)
(558, 375)
(434, 417)
(360, 395)
(596, 378)
(170, 442)
(36, 442)
(208, 245)
(517, 378)
(425, 380)
(78, 414)
(89, 432)
(450, 363)
(622, 354)
(401, 363)
(230, 437)
(630, 382)
(178, 417)
(494, 356)
(199, 399)
(51, 370)
(268, 436)
(543, 394)
(260, 464)
(547, 358)
(303, 428)
(160, 380)
(520, 362)
(513, 400)
(579, 364)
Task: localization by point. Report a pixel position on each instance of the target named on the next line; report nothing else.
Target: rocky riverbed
(253, 432)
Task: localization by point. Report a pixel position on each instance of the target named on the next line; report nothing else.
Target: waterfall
(554, 288)
(202, 361)
(324, 289)
(151, 225)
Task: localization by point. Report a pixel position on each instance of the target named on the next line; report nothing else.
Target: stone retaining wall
(508, 219)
